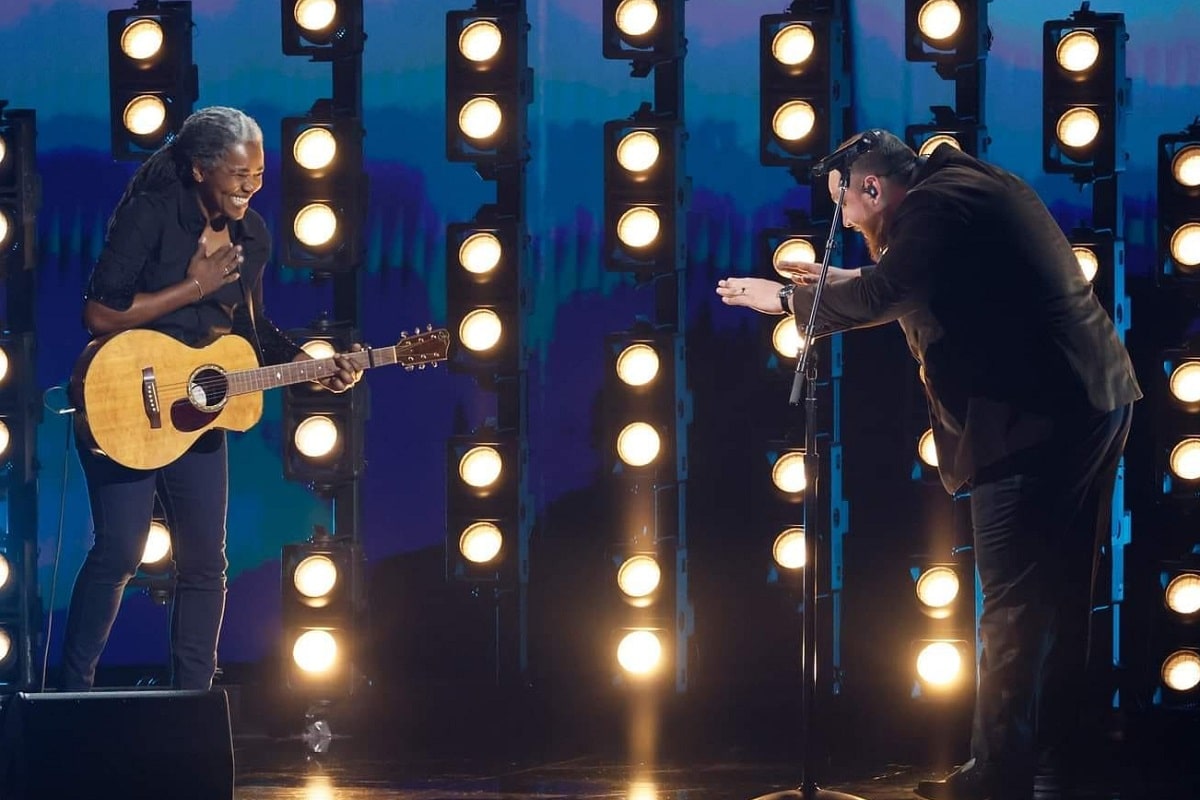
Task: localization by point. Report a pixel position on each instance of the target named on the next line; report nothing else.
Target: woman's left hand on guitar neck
(346, 375)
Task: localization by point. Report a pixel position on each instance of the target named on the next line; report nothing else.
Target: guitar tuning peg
(422, 367)
(403, 334)
(428, 326)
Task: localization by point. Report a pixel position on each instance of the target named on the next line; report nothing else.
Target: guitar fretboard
(276, 375)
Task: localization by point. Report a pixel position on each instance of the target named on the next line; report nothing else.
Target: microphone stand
(806, 370)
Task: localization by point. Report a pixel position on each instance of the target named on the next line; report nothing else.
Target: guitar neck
(313, 369)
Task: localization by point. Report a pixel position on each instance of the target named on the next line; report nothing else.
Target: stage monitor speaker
(127, 744)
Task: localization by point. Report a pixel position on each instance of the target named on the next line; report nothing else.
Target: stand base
(812, 793)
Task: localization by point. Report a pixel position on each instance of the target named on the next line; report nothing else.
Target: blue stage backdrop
(55, 61)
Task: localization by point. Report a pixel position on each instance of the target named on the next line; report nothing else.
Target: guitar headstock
(417, 350)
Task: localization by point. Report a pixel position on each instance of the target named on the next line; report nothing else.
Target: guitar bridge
(150, 398)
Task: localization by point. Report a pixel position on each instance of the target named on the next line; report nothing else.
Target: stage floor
(284, 770)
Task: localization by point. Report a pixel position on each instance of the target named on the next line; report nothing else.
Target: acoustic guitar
(142, 398)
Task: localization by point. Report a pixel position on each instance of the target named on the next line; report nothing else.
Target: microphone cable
(62, 515)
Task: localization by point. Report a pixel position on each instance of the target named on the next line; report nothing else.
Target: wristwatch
(785, 298)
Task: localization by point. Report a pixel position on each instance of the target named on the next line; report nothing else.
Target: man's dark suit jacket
(1010, 338)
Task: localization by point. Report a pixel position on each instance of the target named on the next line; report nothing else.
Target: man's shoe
(968, 782)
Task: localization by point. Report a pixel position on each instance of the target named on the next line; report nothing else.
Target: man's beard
(875, 236)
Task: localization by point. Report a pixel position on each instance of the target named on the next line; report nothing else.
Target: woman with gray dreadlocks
(184, 255)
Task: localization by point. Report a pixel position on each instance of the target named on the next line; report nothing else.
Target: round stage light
(638, 444)
(5, 572)
(480, 118)
(158, 544)
(937, 587)
(791, 251)
(315, 225)
(639, 576)
(638, 151)
(316, 436)
(480, 466)
(936, 141)
(786, 338)
(938, 20)
(1182, 594)
(314, 15)
(315, 148)
(480, 41)
(1077, 51)
(480, 253)
(5, 438)
(1185, 166)
(315, 576)
(318, 348)
(6, 227)
(939, 664)
(6, 648)
(1185, 245)
(637, 364)
(1088, 263)
(480, 542)
(636, 18)
(794, 120)
(638, 227)
(1185, 459)
(480, 330)
(1181, 670)
(793, 44)
(787, 473)
(144, 115)
(1185, 382)
(927, 448)
(1078, 127)
(142, 39)
(640, 652)
(315, 651)
(3, 353)
(789, 549)
(3, 149)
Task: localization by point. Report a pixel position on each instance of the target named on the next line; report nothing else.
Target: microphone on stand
(839, 159)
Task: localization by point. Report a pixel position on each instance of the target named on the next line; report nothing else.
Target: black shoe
(968, 782)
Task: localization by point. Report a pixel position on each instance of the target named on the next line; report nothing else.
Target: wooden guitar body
(115, 415)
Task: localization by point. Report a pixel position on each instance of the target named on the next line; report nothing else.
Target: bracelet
(785, 298)
(199, 288)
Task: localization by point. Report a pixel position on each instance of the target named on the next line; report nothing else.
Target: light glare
(638, 151)
(927, 448)
(637, 364)
(314, 15)
(1185, 245)
(786, 338)
(480, 330)
(1183, 593)
(636, 17)
(1185, 382)
(480, 253)
(638, 227)
(639, 652)
(1185, 459)
(480, 118)
(1185, 166)
(480, 41)
(794, 120)
(142, 39)
(1077, 51)
(315, 576)
(793, 44)
(480, 466)
(144, 115)
(1088, 263)
(638, 444)
(316, 436)
(789, 550)
(315, 148)
(158, 543)
(315, 225)
(1078, 127)
(938, 20)
(480, 542)
(315, 651)
(939, 664)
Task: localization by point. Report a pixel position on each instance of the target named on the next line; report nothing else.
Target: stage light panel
(152, 81)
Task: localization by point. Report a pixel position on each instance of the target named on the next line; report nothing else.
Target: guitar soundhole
(208, 389)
